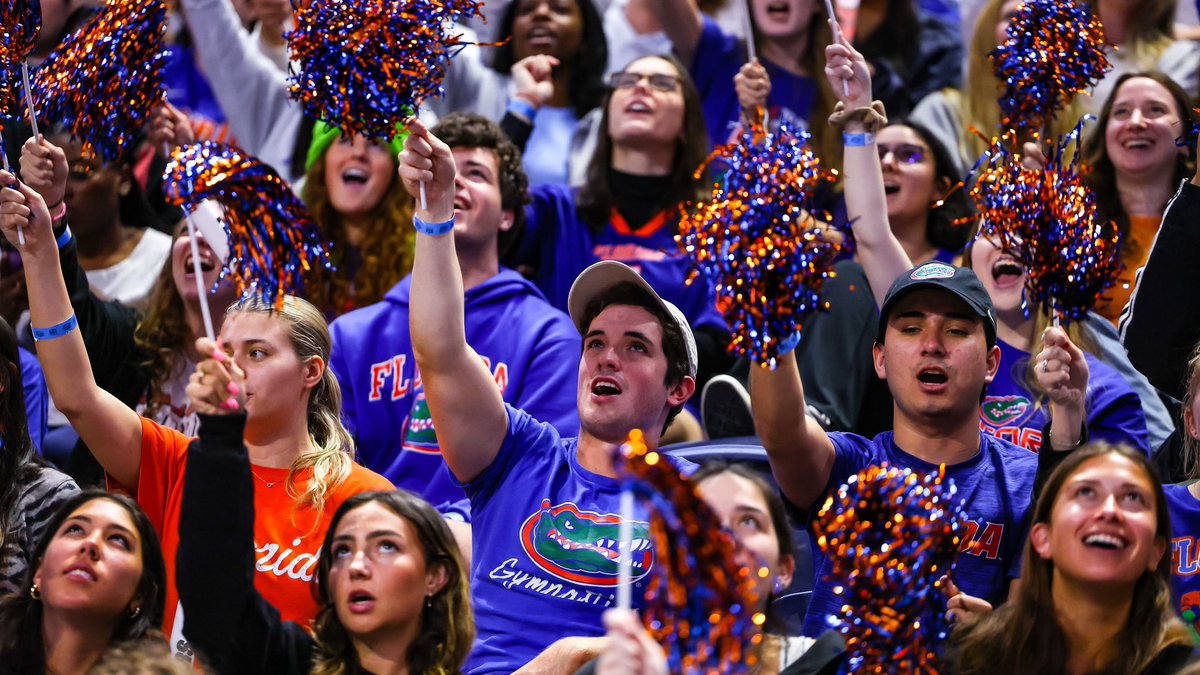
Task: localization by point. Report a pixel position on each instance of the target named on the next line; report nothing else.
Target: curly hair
(162, 334)
(387, 247)
(446, 626)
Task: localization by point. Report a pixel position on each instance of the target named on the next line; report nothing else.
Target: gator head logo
(419, 434)
(581, 546)
(1000, 410)
(1189, 610)
(933, 270)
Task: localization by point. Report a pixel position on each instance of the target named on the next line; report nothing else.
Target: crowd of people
(409, 467)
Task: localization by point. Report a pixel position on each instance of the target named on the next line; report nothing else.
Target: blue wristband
(858, 140)
(788, 344)
(519, 106)
(64, 238)
(433, 229)
(40, 334)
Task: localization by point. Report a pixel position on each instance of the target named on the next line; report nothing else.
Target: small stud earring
(134, 612)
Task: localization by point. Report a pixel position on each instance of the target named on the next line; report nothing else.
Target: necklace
(269, 484)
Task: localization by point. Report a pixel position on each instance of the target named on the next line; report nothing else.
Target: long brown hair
(162, 334)
(1102, 175)
(1024, 635)
(386, 249)
(447, 627)
(1191, 445)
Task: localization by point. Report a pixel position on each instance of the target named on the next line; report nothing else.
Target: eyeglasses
(628, 80)
(905, 153)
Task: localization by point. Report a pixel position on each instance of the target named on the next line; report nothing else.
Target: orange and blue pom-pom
(1047, 219)
(273, 241)
(890, 535)
(700, 604)
(367, 65)
(1054, 50)
(20, 21)
(104, 79)
(756, 240)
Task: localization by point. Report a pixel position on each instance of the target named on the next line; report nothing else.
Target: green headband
(325, 134)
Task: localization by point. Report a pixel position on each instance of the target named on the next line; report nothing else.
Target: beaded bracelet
(42, 334)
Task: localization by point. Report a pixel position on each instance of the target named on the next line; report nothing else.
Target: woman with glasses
(652, 138)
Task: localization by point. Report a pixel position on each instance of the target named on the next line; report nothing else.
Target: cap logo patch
(935, 270)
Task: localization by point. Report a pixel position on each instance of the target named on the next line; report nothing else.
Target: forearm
(799, 451)
(1066, 426)
(436, 318)
(64, 359)
(883, 258)
(565, 656)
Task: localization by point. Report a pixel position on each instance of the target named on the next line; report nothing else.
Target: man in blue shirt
(936, 348)
(545, 509)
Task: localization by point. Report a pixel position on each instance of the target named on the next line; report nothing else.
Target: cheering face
(744, 512)
(935, 357)
(1103, 527)
(646, 106)
(782, 19)
(183, 271)
(94, 563)
(1141, 131)
(479, 215)
(94, 192)
(908, 172)
(553, 27)
(358, 174)
(1001, 274)
(379, 579)
(277, 380)
(622, 375)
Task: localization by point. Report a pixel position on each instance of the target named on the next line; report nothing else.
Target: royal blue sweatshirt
(531, 348)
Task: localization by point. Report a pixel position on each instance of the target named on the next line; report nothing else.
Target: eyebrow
(629, 333)
(374, 534)
(918, 314)
(88, 520)
(481, 165)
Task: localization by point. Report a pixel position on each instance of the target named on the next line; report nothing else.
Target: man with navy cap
(936, 348)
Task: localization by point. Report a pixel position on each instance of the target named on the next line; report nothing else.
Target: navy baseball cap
(960, 281)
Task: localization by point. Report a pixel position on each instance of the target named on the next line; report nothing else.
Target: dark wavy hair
(587, 65)
(1024, 636)
(447, 627)
(468, 130)
(956, 207)
(18, 462)
(1102, 177)
(21, 645)
(595, 201)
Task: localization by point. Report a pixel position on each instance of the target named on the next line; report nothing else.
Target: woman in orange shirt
(1137, 166)
(301, 455)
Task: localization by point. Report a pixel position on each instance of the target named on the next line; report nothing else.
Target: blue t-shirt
(1185, 553)
(718, 58)
(544, 535)
(1012, 412)
(562, 246)
(531, 349)
(996, 486)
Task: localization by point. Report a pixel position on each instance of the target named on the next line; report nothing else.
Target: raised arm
(679, 19)
(463, 398)
(1062, 372)
(800, 452)
(111, 429)
(883, 258)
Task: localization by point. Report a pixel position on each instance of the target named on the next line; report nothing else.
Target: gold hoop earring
(134, 612)
(35, 592)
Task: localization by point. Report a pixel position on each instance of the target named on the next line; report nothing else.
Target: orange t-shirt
(285, 541)
(1135, 251)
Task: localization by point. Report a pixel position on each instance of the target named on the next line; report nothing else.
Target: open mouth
(80, 572)
(206, 264)
(541, 37)
(778, 10)
(891, 188)
(1007, 267)
(1109, 542)
(638, 107)
(603, 387)
(361, 600)
(1138, 143)
(355, 176)
(933, 376)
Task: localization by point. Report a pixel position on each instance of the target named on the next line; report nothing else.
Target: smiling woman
(1094, 592)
